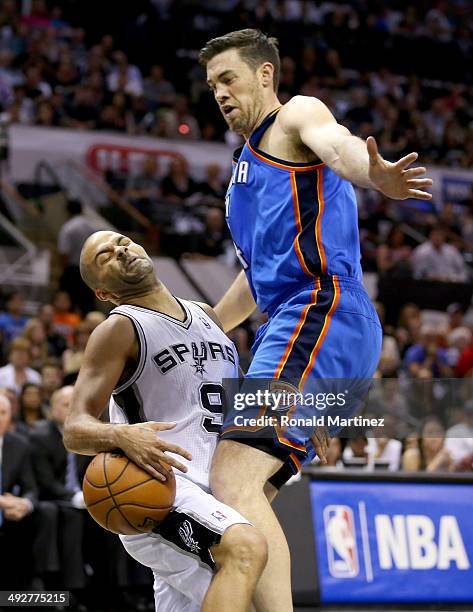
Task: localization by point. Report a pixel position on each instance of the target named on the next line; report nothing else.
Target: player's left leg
(240, 556)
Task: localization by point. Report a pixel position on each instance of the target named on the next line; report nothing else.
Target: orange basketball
(123, 498)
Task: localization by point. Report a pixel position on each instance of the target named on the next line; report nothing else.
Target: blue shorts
(325, 338)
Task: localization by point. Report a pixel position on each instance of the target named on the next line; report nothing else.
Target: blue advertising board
(393, 542)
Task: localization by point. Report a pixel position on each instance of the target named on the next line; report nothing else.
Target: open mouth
(228, 111)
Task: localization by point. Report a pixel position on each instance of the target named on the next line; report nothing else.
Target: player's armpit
(109, 348)
(309, 120)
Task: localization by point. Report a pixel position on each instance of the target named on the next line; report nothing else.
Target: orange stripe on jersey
(322, 335)
(281, 165)
(318, 229)
(297, 330)
(297, 214)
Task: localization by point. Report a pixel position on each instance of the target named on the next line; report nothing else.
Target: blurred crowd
(60, 66)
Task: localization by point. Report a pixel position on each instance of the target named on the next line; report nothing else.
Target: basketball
(124, 498)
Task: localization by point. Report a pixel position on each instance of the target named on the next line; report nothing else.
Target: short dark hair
(254, 48)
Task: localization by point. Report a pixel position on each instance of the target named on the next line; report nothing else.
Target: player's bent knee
(244, 548)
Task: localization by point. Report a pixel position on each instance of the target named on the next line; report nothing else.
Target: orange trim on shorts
(323, 334)
(286, 442)
(297, 214)
(293, 458)
(318, 229)
(261, 413)
(297, 330)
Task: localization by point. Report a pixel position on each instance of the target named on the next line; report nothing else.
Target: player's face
(237, 90)
(119, 264)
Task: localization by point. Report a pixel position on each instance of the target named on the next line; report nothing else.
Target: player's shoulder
(117, 332)
(210, 312)
(298, 109)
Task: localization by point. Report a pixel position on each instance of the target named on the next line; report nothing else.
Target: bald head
(115, 267)
(5, 414)
(60, 404)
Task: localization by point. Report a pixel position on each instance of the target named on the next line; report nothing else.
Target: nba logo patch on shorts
(340, 535)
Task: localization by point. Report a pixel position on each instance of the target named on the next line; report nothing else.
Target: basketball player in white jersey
(161, 361)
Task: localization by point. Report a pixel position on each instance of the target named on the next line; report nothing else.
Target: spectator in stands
(56, 342)
(384, 449)
(213, 185)
(430, 454)
(178, 122)
(18, 496)
(46, 115)
(392, 257)
(355, 453)
(52, 376)
(124, 76)
(427, 359)
(65, 319)
(459, 436)
(409, 326)
(437, 260)
(158, 90)
(71, 238)
(35, 87)
(144, 187)
(112, 117)
(177, 185)
(82, 113)
(31, 405)
(334, 455)
(212, 241)
(56, 473)
(390, 357)
(13, 320)
(35, 333)
(94, 318)
(458, 340)
(139, 118)
(72, 357)
(456, 314)
(17, 371)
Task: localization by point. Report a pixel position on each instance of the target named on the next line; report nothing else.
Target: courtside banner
(393, 542)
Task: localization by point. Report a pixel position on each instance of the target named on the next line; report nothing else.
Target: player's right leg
(230, 482)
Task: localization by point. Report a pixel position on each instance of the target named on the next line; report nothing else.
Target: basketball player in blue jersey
(292, 212)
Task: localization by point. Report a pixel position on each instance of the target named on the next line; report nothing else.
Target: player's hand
(141, 444)
(397, 180)
(321, 440)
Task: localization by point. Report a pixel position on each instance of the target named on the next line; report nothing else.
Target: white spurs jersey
(178, 378)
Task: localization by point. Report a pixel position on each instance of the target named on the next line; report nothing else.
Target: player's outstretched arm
(310, 121)
(236, 305)
(109, 348)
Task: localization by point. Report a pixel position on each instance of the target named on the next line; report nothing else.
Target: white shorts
(179, 552)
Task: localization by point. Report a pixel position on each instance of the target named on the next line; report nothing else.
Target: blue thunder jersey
(290, 222)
